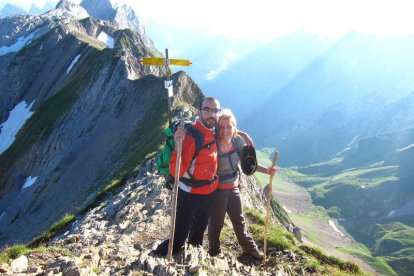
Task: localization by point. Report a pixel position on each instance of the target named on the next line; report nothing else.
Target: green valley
(372, 201)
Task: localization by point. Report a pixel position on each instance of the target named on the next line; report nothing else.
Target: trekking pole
(179, 147)
(168, 84)
(269, 197)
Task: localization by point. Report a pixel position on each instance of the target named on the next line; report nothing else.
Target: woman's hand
(246, 137)
(271, 170)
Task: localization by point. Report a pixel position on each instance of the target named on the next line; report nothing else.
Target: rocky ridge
(117, 237)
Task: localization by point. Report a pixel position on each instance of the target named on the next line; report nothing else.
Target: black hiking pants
(193, 212)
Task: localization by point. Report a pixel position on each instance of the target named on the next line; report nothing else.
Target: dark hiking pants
(228, 201)
(193, 212)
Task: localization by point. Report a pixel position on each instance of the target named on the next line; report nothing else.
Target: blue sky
(265, 19)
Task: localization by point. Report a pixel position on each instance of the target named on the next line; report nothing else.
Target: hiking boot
(214, 253)
(256, 253)
(158, 253)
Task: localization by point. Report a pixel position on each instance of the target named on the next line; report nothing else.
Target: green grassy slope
(370, 187)
(363, 198)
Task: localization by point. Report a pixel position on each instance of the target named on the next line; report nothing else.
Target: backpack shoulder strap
(198, 138)
(235, 145)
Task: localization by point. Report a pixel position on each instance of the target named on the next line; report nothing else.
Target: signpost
(159, 61)
(162, 61)
(154, 61)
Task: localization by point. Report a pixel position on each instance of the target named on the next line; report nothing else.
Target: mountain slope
(96, 114)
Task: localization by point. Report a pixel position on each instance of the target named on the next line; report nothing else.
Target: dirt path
(317, 230)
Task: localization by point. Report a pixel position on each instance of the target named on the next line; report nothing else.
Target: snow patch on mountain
(391, 213)
(21, 42)
(105, 38)
(29, 182)
(17, 118)
(73, 63)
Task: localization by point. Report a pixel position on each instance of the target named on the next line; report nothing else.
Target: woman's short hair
(228, 114)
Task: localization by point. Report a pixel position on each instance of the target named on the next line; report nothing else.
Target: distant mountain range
(298, 91)
(12, 9)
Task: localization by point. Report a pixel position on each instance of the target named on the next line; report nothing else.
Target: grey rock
(221, 264)
(297, 232)
(20, 264)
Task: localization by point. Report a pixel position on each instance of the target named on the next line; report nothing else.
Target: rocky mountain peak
(121, 14)
(126, 17)
(68, 9)
(102, 9)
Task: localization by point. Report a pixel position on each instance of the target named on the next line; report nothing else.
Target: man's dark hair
(207, 99)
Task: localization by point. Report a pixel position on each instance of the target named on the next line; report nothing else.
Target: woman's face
(226, 129)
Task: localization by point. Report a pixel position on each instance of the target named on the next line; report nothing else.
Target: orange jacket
(204, 166)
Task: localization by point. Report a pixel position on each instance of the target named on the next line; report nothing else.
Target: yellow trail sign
(153, 61)
(164, 61)
(180, 62)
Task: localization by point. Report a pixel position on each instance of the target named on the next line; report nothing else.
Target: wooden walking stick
(178, 146)
(159, 61)
(269, 197)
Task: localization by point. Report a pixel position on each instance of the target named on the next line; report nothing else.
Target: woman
(228, 199)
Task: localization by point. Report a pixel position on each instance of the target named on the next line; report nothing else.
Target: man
(198, 179)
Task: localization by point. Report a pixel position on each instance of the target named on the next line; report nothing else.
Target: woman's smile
(226, 128)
